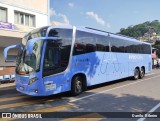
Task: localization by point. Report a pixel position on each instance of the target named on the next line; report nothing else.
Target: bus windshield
(41, 32)
(29, 63)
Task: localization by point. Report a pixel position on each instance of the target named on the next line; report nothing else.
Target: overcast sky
(108, 15)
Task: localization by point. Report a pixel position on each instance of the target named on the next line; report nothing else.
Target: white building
(18, 17)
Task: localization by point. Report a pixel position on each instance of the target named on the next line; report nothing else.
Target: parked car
(1, 79)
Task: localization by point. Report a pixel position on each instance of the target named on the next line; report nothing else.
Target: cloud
(63, 16)
(65, 19)
(52, 12)
(97, 19)
(71, 5)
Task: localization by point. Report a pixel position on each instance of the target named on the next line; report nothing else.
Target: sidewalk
(7, 85)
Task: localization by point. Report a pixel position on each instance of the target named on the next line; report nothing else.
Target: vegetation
(140, 29)
(157, 46)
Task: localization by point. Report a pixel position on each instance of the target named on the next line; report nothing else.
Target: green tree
(157, 46)
(140, 29)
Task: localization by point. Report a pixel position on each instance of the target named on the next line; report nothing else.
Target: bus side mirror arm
(9, 58)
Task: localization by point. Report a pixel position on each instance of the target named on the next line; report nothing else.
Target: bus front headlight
(32, 80)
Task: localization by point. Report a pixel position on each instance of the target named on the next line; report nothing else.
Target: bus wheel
(136, 74)
(76, 86)
(141, 74)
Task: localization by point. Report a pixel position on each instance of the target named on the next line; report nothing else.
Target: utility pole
(48, 12)
(149, 32)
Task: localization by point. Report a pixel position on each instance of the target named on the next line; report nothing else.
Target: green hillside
(140, 29)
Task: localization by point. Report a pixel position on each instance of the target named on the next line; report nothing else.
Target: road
(116, 98)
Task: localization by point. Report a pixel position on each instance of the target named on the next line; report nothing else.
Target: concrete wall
(11, 33)
(41, 19)
(36, 5)
(7, 68)
(2, 61)
(7, 71)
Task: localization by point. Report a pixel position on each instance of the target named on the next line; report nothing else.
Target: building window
(24, 19)
(3, 14)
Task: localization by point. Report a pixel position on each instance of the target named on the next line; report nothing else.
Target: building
(151, 38)
(16, 18)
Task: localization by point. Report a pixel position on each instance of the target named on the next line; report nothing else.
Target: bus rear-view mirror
(31, 43)
(30, 46)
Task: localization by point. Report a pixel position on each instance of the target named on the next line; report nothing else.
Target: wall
(37, 5)
(41, 19)
(6, 68)
(2, 61)
(7, 71)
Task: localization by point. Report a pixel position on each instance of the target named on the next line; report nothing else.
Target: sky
(107, 15)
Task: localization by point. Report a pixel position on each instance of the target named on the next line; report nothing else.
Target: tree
(140, 29)
(157, 46)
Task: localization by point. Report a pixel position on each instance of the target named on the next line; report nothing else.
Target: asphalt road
(109, 101)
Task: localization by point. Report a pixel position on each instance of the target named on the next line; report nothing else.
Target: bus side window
(85, 43)
(102, 43)
(80, 44)
(90, 44)
(79, 47)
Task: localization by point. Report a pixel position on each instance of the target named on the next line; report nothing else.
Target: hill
(141, 30)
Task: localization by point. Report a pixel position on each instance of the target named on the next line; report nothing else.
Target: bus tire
(142, 73)
(136, 74)
(77, 85)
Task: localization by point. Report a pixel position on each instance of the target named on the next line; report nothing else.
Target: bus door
(55, 62)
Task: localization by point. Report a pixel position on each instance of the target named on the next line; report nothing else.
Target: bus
(55, 59)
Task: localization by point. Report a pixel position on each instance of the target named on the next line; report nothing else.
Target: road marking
(22, 104)
(74, 100)
(151, 111)
(13, 98)
(55, 109)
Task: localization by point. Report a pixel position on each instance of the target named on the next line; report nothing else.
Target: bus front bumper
(34, 89)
